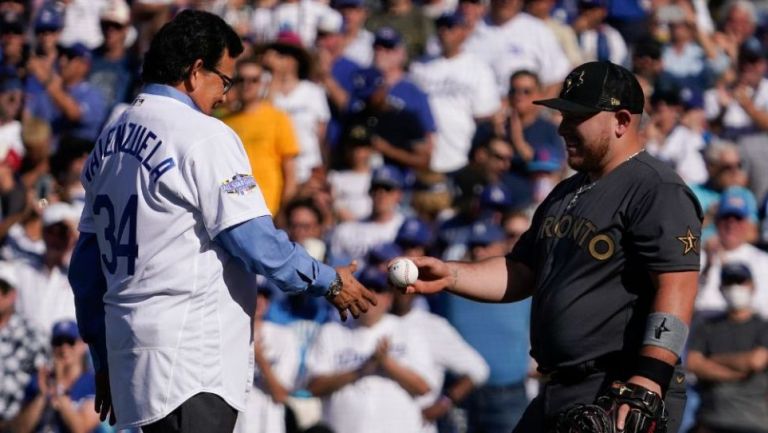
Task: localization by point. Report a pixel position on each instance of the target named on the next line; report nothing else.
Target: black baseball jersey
(591, 247)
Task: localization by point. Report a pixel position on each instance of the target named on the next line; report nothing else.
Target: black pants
(203, 413)
(555, 397)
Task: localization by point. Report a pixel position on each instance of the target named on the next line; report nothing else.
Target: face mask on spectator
(737, 296)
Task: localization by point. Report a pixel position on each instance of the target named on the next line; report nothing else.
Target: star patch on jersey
(689, 242)
(240, 184)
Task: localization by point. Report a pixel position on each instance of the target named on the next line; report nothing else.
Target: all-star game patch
(240, 184)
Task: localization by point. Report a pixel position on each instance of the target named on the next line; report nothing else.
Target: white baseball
(403, 272)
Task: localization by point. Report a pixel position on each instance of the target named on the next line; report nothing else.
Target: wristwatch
(335, 287)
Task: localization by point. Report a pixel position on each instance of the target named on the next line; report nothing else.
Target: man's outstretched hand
(353, 296)
(434, 276)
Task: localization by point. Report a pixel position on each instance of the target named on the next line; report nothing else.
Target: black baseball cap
(735, 273)
(598, 86)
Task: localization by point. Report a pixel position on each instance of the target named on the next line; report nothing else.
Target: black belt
(610, 362)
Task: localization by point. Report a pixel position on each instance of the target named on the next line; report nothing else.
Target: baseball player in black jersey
(611, 261)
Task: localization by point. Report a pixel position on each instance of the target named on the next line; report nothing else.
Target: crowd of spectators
(380, 128)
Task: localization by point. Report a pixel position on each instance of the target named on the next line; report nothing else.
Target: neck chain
(584, 188)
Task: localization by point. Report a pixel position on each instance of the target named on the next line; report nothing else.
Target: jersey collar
(170, 92)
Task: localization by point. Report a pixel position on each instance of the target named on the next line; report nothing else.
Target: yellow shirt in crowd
(268, 137)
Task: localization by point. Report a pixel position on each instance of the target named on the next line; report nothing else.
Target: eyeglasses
(731, 166)
(59, 341)
(228, 82)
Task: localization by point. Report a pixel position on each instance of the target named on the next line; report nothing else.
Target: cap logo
(615, 102)
(570, 83)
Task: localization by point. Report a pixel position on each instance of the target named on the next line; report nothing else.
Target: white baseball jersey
(460, 89)
(736, 117)
(262, 414)
(449, 352)
(374, 403)
(525, 42)
(360, 49)
(307, 105)
(161, 183)
(683, 149)
(353, 239)
(350, 192)
(44, 295)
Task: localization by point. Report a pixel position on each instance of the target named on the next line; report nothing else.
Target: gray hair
(745, 5)
(716, 149)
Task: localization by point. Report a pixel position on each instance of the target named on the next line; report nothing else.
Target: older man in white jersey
(175, 222)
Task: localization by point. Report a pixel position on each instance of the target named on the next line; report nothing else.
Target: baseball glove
(646, 412)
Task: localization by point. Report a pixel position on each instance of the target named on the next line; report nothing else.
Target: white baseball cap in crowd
(116, 11)
(59, 212)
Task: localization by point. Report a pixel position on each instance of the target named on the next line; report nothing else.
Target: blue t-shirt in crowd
(499, 332)
(92, 105)
(405, 95)
(114, 78)
(344, 72)
(82, 390)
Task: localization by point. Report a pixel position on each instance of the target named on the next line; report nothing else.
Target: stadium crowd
(381, 129)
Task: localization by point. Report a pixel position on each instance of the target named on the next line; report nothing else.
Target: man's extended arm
(265, 250)
(496, 279)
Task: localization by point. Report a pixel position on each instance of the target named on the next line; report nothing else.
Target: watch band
(335, 287)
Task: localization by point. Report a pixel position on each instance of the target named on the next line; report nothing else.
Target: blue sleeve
(425, 112)
(268, 251)
(89, 286)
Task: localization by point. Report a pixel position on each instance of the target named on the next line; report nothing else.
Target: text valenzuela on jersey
(132, 139)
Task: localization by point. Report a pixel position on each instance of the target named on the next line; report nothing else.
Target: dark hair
(525, 73)
(5, 287)
(303, 203)
(191, 35)
(253, 59)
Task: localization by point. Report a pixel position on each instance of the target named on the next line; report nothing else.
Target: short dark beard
(594, 156)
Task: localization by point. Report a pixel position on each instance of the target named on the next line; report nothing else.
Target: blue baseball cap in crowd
(65, 329)
(736, 201)
(450, 20)
(495, 197)
(751, 51)
(388, 175)
(545, 160)
(735, 273)
(374, 279)
(49, 19)
(9, 83)
(485, 233)
(365, 82)
(341, 4)
(692, 98)
(589, 4)
(78, 50)
(383, 253)
(413, 232)
(387, 37)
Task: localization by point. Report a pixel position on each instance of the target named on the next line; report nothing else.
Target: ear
(192, 80)
(623, 122)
